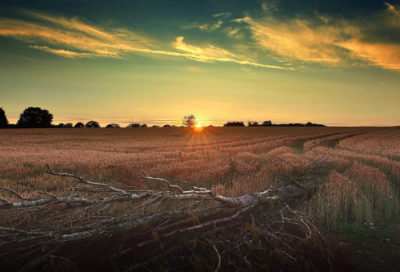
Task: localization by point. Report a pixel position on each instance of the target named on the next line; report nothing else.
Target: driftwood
(156, 224)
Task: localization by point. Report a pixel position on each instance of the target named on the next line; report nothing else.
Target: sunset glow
(198, 128)
(329, 63)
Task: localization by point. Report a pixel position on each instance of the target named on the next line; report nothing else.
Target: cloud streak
(62, 52)
(74, 38)
(204, 27)
(296, 39)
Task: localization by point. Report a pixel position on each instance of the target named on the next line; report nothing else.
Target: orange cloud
(79, 39)
(62, 52)
(298, 39)
(210, 51)
(384, 55)
(67, 38)
(328, 41)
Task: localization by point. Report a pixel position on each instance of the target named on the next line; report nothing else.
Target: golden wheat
(231, 161)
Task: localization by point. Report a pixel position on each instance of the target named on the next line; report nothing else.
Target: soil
(377, 249)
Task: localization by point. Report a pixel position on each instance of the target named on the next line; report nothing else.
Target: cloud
(330, 41)
(72, 34)
(393, 9)
(268, 7)
(204, 27)
(74, 38)
(233, 32)
(62, 52)
(212, 53)
(296, 39)
(384, 55)
(222, 14)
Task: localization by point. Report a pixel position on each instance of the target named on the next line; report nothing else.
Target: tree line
(270, 124)
(35, 117)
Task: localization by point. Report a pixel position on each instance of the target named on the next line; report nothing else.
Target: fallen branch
(145, 218)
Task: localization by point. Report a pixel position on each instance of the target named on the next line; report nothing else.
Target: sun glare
(198, 127)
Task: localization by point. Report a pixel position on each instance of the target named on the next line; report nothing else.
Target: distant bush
(112, 126)
(92, 124)
(234, 124)
(79, 125)
(267, 123)
(133, 125)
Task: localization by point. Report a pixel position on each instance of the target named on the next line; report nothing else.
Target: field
(357, 196)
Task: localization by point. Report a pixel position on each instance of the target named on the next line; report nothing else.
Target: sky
(329, 62)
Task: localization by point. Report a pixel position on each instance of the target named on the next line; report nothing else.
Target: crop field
(360, 190)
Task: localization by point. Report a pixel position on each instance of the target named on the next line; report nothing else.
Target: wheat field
(361, 187)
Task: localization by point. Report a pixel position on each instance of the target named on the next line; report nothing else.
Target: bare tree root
(168, 227)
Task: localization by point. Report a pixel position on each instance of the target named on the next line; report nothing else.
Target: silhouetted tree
(35, 118)
(267, 123)
(3, 119)
(79, 125)
(92, 124)
(253, 124)
(166, 126)
(68, 125)
(112, 126)
(234, 124)
(133, 125)
(144, 126)
(61, 125)
(189, 121)
(309, 124)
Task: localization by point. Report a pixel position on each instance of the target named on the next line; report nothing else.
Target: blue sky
(330, 62)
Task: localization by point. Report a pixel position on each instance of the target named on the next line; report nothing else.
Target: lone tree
(189, 121)
(3, 119)
(35, 118)
(92, 124)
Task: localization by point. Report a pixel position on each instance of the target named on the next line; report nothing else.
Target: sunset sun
(198, 127)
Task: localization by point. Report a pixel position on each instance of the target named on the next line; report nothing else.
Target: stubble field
(359, 192)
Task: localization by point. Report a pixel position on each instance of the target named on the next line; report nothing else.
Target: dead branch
(13, 192)
(218, 255)
(148, 217)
